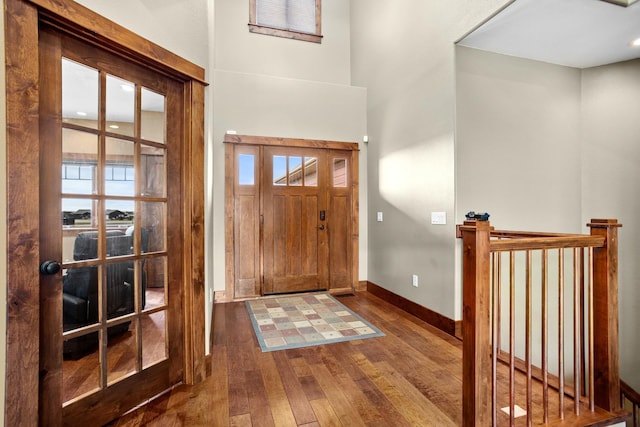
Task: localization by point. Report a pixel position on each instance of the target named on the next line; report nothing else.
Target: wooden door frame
(22, 19)
(232, 140)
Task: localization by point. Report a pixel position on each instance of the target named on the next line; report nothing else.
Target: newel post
(476, 325)
(605, 322)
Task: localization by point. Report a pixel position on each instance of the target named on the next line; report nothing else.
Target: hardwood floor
(410, 377)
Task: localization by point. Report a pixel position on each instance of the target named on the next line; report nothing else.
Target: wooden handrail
(629, 393)
(556, 242)
(633, 397)
(480, 241)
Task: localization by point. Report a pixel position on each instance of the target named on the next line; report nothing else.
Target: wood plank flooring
(410, 377)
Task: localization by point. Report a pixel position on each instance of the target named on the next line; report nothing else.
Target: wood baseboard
(449, 326)
(220, 296)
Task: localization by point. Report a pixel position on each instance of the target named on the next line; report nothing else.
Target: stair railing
(590, 313)
(630, 401)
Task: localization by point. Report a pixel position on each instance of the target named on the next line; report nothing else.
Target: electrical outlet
(414, 281)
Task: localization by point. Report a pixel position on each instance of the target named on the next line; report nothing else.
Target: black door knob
(49, 267)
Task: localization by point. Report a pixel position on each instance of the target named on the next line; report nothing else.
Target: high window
(294, 19)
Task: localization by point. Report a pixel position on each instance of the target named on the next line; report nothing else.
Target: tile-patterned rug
(304, 320)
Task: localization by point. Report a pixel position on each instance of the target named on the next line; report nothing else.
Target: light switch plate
(438, 218)
(379, 217)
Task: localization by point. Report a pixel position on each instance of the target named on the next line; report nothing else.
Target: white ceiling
(574, 33)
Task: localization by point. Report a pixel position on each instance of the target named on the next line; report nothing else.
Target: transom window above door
(294, 19)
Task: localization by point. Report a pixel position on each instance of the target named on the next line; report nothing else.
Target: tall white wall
(562, 144)
(180, 26)
(272, 86)
(610, 176)
(238, 50)
(403, 53)
(517, 157)
(518, 141)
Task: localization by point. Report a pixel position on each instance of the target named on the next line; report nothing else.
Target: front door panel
(295, 238)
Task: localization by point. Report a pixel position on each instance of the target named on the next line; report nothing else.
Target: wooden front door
(295, 236)
(111, 316)
(293, 206)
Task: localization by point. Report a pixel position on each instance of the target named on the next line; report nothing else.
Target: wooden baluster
(512, 338)
(591, 335)
(577, 359)
(545, 336)
(476, 327)
(495, 340)
(528, 341)
(605, 322)
(561, 332)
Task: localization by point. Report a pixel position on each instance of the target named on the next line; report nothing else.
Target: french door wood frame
(248, 142)
(23, 340)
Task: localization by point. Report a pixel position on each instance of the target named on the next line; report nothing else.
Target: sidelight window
(339, 172)
(246, 169)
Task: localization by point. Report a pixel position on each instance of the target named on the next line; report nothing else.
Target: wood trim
(319, 18)
(50, 233)
(220, 297)
(289, 142)
(193, 208)
(229, 229)
(458, 328)
(355, 223)
(89, 26)
(436, 320)
(22, 139)
(287, 34)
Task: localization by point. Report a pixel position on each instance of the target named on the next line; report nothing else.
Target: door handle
(321, 227)
(49, 267)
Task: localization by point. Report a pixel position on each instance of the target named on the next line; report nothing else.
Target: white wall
(562, 143)
(518, 142)
(517, 157)
(610, 176)
(238, 50)
(272, 86)
(403, 53)
(517, 145)
(180, 26)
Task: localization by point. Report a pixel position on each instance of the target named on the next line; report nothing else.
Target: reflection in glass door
(114, 220)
